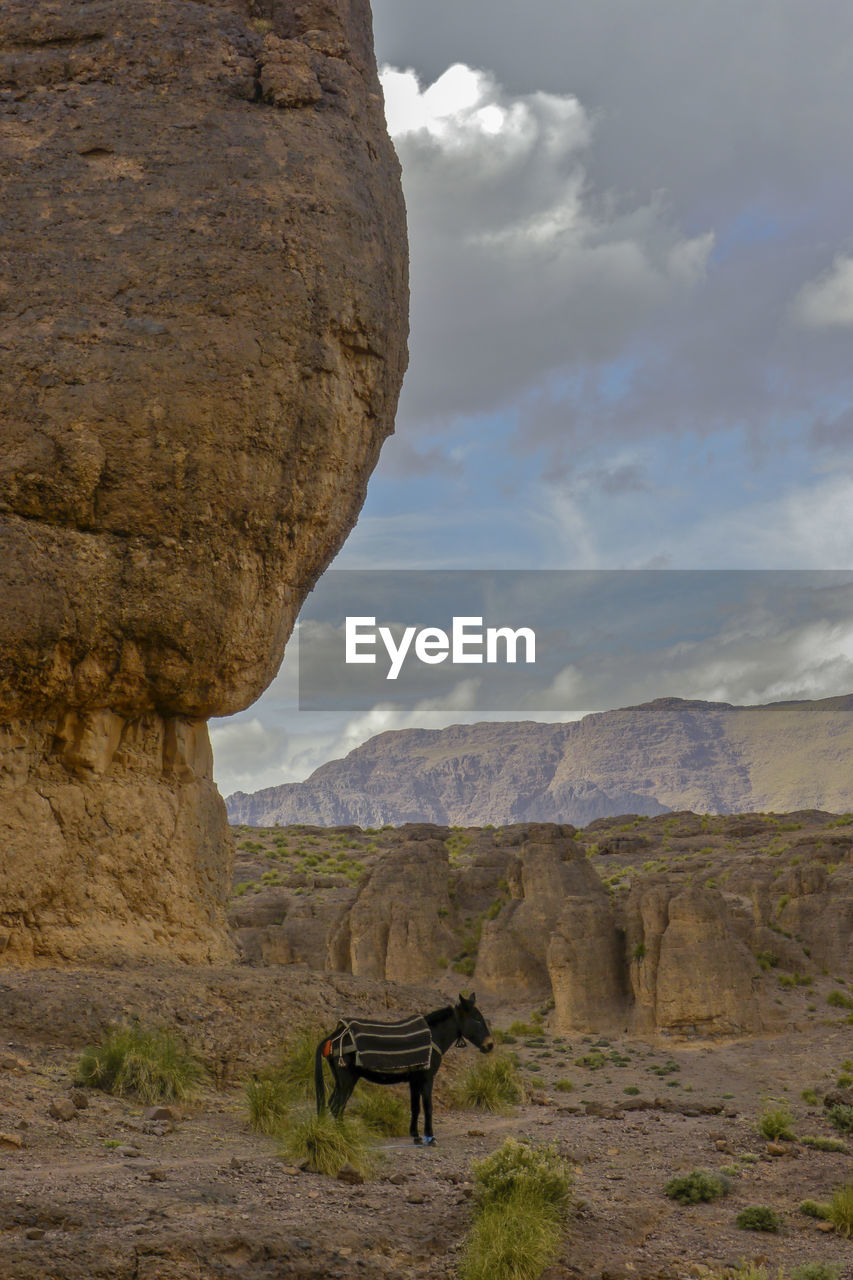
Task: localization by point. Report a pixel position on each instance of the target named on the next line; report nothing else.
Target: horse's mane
(439, 1015)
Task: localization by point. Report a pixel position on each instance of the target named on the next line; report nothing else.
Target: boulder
(203, 322)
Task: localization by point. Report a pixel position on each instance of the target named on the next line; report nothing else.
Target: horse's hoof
(416, 1141)
(429, 1142)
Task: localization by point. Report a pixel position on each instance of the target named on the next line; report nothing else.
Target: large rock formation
(663, 755)
(202, 320)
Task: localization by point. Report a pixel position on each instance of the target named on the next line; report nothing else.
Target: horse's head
(472, 1024)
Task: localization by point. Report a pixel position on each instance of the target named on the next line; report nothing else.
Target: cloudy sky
(632, 318)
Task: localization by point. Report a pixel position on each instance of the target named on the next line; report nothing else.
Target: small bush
(564, 1086)
(758, 1217)
(295, 1066)
(841, 1210)
(816, 1271)
(517, 1166)
(382, 1109)
(812, 1209)
(776, 1123)
(811, 1096)
(150, 1064)
(521, 1194)
(841, 1117)
(593, 1061)
(695, 1187)
(492, 1084)
(326, 1144)
(839, 1000)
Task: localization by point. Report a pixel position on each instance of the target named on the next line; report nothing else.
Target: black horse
(452, 1024)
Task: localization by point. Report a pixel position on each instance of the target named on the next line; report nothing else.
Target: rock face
(395, 927)
(203, 319)
(663, 755)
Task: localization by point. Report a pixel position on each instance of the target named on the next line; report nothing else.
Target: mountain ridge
(667, 754)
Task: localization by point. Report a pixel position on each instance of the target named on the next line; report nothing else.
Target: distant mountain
(710, 757)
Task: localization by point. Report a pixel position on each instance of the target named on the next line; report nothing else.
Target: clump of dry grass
(148, 1063)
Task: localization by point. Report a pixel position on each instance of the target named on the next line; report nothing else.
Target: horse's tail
(319, 1086)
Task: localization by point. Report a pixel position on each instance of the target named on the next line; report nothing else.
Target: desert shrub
(520, 1166)
(382, 1109)
(521, 1194)
(776, 1122)
(811, 1096)
(268, 1102)
(758, 1217)
(695, 1187)
(564, 1086)
(510, 1241)
(150, 1064)
(325, 1143)
(519, 1028)
(824, 1144)
(839, 1000)
(593, 1061)
(840, 1208)
(492, 1084)
(841, 1117)
(812, 1209)
(816, 1271)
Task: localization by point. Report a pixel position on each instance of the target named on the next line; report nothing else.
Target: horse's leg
(415, 1096)
(427, 1096)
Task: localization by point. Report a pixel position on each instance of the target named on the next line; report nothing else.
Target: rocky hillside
(683, 923)
(203, 319)
(664, 755)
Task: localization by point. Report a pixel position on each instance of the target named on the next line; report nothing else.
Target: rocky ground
(107, 1193)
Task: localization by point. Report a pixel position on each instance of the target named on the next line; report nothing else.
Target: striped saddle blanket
(384, 1046)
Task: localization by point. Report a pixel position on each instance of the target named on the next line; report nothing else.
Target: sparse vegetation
(327, 1144)
(382, 1109)
(493, 1084)
(824, 1144)
(758, 1217)
(696, 1187)
(841, 1117)
(775, 1123)
(521, 1196)
(268, 1102)
(134, 1060)
(840, 1210)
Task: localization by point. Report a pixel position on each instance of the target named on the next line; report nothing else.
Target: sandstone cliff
(684, 924)
(667, 754)
(202, 319)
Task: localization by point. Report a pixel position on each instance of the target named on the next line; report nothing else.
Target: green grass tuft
(326, 1144)
(382, 1109)
(812, 1209)
(840, 1210)
(521, 1195)
(268, 1102)
(824, 1144)
(492, 1084)
(150, 1064)
(841, 1117)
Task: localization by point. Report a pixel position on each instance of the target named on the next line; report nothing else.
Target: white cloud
(828, 301)
(518, 266)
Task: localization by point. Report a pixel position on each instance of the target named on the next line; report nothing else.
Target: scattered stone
(722, 1145)
(164, 1113)
(777, 1149)
(35, 1233)
(285, 1168)
(11, 1140)
(349, 1174)
(8, 1062)
(476, 1133)
(156, 1174)
(80, 1099)
(128, 1152)
(62, 1109)
(397, 1179)
(416, 1197)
